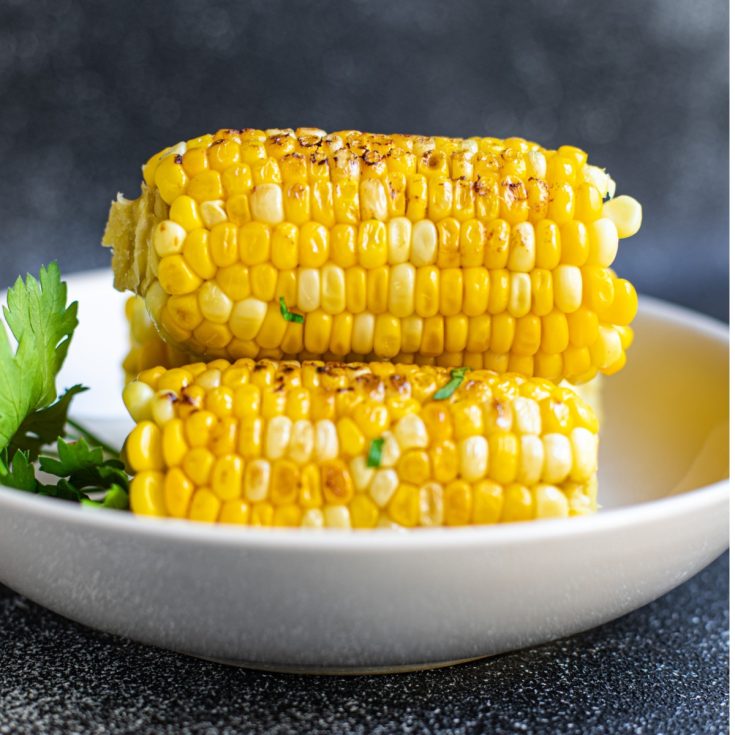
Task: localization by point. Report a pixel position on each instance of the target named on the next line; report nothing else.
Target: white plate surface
(383, 601)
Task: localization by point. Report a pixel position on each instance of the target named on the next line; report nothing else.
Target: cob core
(481, 252)
(356, 445)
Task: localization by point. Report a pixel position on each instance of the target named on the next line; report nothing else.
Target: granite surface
(661, 669)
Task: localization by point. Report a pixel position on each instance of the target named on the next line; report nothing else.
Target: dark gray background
(89, 90)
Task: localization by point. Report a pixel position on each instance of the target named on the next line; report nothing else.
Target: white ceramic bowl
(383, 601)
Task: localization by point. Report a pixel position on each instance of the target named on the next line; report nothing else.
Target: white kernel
(308, 290)
(266, 203)
(257, 480)
(557, 458)
(137, 397)
(527, 416)
(277, 437)
(373, 199)
(399, 240)
(162, 407)
(361, 474)
(550, 502)
(423, 243)
(607, 348)
(326, 442)
(363, 333)
(313, 518)
(302, 442)
(567, 288)
(401, 290)
(215, 304)
(584, 454)
(247, 318)
(382, 487)
(603, 242)
(531, 461)
(410, 433)
(209, 379)
(522, 251)
(626, 213)
(391, 452)
(168, 238)
(473, 458)
(519, 300)
(213, 212)
(431, 504)
(337, 516)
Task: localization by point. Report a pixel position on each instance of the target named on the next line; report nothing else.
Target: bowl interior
(665, 424)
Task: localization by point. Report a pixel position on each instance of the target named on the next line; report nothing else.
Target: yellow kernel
(235, 512)
(147, 494)
(178, 490)
(372, 244)
(457, 503)
(197, 253)
(487, 502)
(313, 245)
(351, 439)
(363, 512)
(143, 447)
(205, 506)
(173, 442)
(197, 464)
(185, 212)
(261, 515)
(176, 277)
(170, 178)
(517, 504)
(403, 507)
(254, 243)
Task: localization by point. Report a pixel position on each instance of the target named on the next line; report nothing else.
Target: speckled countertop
(661, 669)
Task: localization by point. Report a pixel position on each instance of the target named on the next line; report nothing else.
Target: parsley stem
(87, 434)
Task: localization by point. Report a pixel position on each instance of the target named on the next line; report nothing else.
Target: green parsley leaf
(375, 452)
(42, 325)
(290, 316)
(115, 498)
(44, 426)
(18, 472)
(85, 466)
(457, 376)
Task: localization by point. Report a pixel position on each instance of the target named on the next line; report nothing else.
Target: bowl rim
(701, 499)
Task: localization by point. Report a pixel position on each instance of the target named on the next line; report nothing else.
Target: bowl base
(336, 670)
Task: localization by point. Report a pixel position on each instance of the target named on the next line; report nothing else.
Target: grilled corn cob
(488, 253)
(357, 446)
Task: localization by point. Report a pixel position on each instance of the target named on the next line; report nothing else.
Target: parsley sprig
(33, 415)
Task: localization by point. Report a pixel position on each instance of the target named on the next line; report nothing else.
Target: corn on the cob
(147, 349)
(481, 252)
(357, 445)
